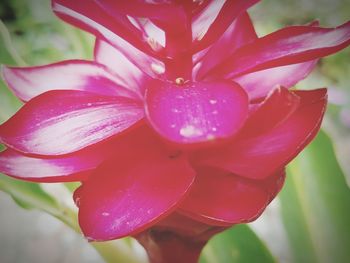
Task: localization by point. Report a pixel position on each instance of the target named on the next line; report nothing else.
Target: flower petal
(196, 112)
(129, 58)
(67, 75)
(290, 45)
(221, 198)
(212, 22)
(61, 169)
(128, 194)
(259, 84)
(127, 72)
(266, 116)
(170, 16)
(62, 121)
(238, 34)
(261, 155)
(89, 16)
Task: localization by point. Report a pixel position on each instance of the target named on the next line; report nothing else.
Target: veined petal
(196, 112)
(259, 84)
(62, 121)
(89, 16)
(61, 169)
(238, 34)
(212, 22)
(290, 45)
(128, 194)
(30, 82)
(131, 59)
(170, 16)
(261, 155)
(126, 71)
(221, 198)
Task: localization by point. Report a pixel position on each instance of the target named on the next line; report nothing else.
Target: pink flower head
(182, 121)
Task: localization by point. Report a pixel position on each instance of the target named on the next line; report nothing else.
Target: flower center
(180, 81)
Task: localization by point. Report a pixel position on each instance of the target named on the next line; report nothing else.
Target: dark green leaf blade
(316, 205)
(239, 245)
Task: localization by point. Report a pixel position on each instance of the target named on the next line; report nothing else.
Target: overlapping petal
(128, 73)
(170, 16)
(130, 193)
(239, 33)
(258, 156)
(196, 112)
(89, 76)
(215, 18)
(89, 16)
(266, 116)
(63, 121)
(221, 198)
(258, 84)
(59, 169)
(289, 45)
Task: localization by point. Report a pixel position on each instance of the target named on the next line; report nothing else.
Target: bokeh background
(308, 222)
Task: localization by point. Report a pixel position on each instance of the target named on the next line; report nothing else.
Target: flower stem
(168, 247)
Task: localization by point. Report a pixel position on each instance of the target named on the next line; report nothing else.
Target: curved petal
(67, 75)
(238, 34)
(279, 105)
(61, 169)
(274, 183)
(220, 198)
(128, 57)
(259, 84)
(89, 16)
(62, 121)
(261, 155)
(289, 45)
(196, 112)
(127, 72)
(128, 194)
(170, 16)
(212, 22)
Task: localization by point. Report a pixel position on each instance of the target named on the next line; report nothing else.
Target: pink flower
(183, 112)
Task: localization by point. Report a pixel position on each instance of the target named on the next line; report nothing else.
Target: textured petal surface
(128, 194)
(128, 73)
(214, 19)
(60, 122)
(220, 198)
(196, 112)
(127, 59)
(261, 155)
(76, 166)
(289, 45)
(89, 16)
(68, 75)
(171, 16)
(259, 84)
(61, 169)
(238, 34)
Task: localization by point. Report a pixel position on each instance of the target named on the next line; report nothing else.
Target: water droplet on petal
(190, 131)
(213, 102)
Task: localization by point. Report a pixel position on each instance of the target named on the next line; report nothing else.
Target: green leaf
(236, 245)
(316, 205)
(29, 195)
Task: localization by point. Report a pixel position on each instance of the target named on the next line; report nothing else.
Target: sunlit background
(308, 222)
